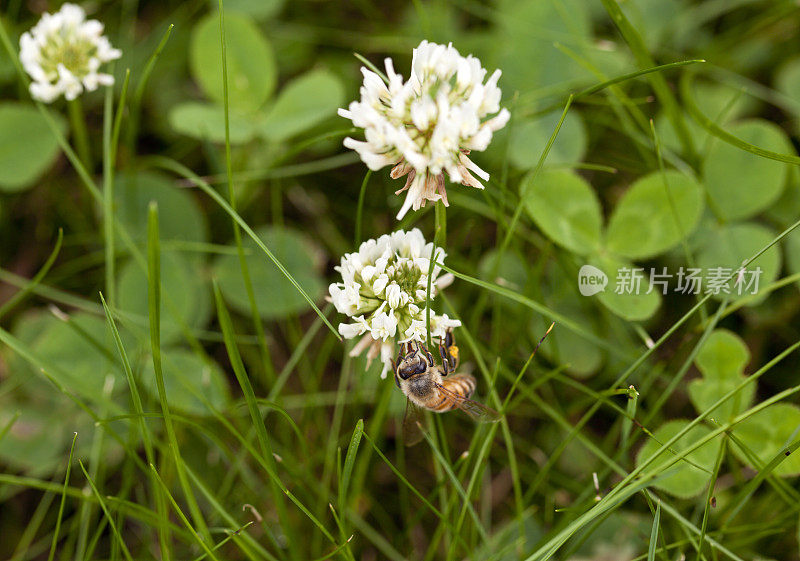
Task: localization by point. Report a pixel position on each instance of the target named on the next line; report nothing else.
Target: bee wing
(412, 424)
(472, 408)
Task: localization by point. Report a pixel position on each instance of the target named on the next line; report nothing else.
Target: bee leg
(451, 350)
(427, 353)
(445, 362)
(449, 340)
(395, 364)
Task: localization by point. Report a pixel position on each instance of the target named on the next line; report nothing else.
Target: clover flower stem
(108, 196)
(439, 238)
(440, 234)
(360, 208)
(80, 132)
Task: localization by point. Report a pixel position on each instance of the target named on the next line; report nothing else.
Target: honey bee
(434, 387)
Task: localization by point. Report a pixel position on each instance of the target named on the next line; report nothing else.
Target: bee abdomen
(460, 384)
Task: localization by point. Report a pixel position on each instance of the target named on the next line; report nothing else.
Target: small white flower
(383, 289)
(384, 326)
(63, 52)
(428, 124)
(417, 331)
(351, 330)
(441, 324)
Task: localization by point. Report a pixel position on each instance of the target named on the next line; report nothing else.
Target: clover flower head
(383, 291)
(63, 52)
(428, 124)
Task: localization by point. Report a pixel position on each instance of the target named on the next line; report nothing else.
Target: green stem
(360, 208)
(80, 132)
(439, 237)
(266, 356)
(108, 197)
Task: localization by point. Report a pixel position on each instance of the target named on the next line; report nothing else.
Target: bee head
(415, 360)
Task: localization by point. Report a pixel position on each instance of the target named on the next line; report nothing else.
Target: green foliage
(727, 247)
(529, 138)
(303, 103)
(186, 411)
(206, 121)
(252, 71)
(689, 476)
(258, 9)
(193, 385)
(27, 146)
(185, 295)
(564, 347)
(638, 303)
(275, 298)
(565, 207)
(76, 353)
(722, 355)
(183, 218)
(722, 360)
(742, 185)
(767, 434)
(662, 208)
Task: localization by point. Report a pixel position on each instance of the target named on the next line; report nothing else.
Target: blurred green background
(690, 165)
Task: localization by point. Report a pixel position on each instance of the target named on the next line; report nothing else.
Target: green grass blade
(372, 67)
(266, 358)
(231, 535)
(110, 519)
(659, 84)
(709, 495)
(360, 208)
(536, 170)
(229, 519)
(37, 278)
(651, 550)
(9, 425)
(538, 308)
(154, 313)
(200, 541)
(714, 129)
(276, 485)
(456, 484)
(349, 460)
(138, 94)
(60, 516)
(148, 69)
(180, 169)
(404, 479)
(147, 438)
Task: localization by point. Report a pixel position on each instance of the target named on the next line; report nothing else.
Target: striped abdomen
(462, 385)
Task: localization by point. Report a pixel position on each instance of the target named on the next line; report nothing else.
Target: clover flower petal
(426, 126)
(383, 289)
(62, 54)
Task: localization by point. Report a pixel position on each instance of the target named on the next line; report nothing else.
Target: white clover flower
(63, 52)
(428, 124)
(383, 290)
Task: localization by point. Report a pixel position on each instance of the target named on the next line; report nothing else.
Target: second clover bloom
(427, 125)
(63, 52)
(383, 290)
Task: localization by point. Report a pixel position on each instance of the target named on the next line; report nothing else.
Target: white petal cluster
(383, 291)
(428, 124)
(63, 52)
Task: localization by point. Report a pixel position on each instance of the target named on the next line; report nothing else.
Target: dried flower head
(428, 124)
(63, 52)
(383, 290)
